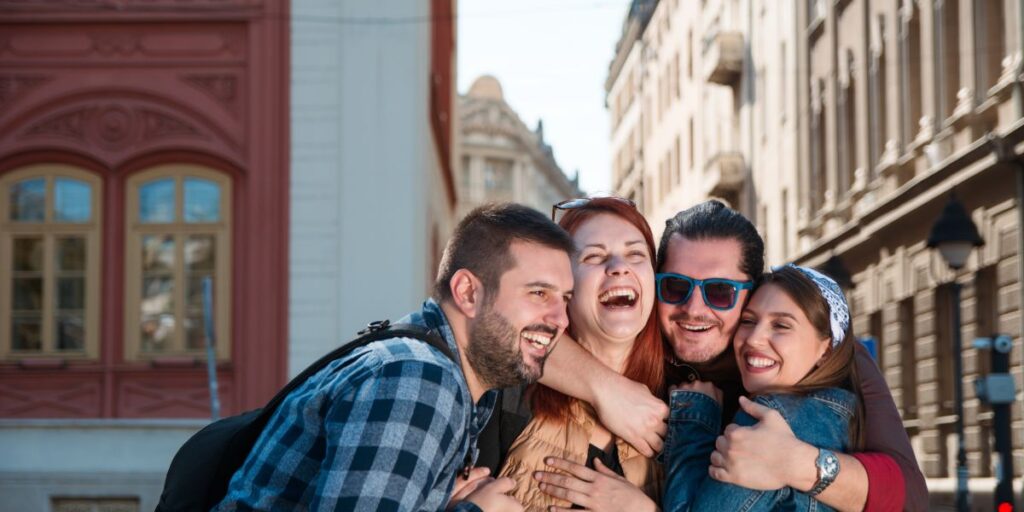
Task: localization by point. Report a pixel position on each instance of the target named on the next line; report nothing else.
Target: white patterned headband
(839, 311)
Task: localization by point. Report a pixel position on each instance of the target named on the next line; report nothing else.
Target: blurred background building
(502, 159)
(145, 145)
(841, 129)
(686, 124)
(312, 158)
(903, 104)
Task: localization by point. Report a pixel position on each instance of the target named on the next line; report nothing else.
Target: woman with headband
(795, 353)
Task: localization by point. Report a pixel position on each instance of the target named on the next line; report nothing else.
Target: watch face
(830, 465)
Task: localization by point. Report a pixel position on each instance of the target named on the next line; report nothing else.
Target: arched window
(49, 262)
(178, 227)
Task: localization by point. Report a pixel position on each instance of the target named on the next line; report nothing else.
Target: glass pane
(71, 293)
(156, 201)
(157, 296)
(71, 254)
(28, 293)
(498, 175)
(202, 200)
(72, 200)
(70, 332)
(199, 253)
(28, 200)
(26, 333)
(157, 253)
(194, 293)
(28, 254)
(157, 332)
(195, 333)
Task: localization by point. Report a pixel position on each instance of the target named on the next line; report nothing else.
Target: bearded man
(390, 425)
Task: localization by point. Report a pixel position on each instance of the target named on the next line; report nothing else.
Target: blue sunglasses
(720, 294)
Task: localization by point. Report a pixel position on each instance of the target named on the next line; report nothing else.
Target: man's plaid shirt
(387, 427)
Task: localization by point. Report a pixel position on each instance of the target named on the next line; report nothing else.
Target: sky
(551, 57)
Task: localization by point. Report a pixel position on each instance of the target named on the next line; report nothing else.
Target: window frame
(222, 232)
(50, 231)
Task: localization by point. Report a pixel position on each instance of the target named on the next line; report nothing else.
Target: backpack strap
(376, 331)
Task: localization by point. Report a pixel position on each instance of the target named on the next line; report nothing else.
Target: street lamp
(836, 269)
(955, 235)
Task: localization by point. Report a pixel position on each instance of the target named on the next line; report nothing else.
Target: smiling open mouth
(760, 363)
(618, 298)
(696, 327)
(537, 339)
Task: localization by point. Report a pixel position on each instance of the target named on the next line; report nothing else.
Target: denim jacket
(821, 418)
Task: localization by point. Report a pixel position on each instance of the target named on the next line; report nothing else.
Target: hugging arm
(885, 434)
(693, 426)
(875, 485)
(626, 408)
(822, 419)
(870, 485)
(768, 456)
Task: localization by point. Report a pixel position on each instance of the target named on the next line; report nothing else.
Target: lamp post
(1006, 154)
(955, 235)
(836, 269)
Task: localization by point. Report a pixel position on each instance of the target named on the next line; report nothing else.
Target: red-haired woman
(610, 316)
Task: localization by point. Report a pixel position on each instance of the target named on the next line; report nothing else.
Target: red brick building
(146, 145)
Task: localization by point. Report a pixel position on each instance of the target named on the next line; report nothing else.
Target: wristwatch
(828, 468)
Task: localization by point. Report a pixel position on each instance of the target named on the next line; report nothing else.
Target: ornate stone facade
(502, 159)
(924, 104)
(842, 128)
(114, 88)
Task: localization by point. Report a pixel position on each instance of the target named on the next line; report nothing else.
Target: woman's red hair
(646, 361)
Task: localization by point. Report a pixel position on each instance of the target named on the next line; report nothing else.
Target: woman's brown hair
(837, 368)
(645, 363)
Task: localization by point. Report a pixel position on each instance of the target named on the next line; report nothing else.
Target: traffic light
(997, 389)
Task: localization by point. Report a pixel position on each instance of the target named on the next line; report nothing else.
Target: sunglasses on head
(580, 202)
(720, 294)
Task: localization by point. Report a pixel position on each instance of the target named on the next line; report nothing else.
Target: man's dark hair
(482, 240)
(713, 220)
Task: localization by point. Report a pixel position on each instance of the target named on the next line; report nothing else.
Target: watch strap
(828, 468)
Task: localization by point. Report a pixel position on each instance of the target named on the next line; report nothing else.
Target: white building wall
(364, 170)
(86, 459)
(626, 138)
(753, 116)
(770, 127)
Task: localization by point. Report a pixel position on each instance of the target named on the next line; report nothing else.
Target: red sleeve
(884, 433)
(886, 490)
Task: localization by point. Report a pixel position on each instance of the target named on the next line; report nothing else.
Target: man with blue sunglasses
(714, 249)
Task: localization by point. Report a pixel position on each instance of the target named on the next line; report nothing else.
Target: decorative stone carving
(172, 398)
(222, 87)
(114, 126)
(54, 398)
(156, 125)
(214, 43)
(115, 44)
(69, 124)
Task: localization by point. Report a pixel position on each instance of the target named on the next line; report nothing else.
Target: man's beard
(692, 353)
(495, 354)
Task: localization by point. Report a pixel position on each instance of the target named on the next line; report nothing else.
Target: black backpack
(200, 472)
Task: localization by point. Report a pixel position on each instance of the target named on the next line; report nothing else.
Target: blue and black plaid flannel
(387, 427)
